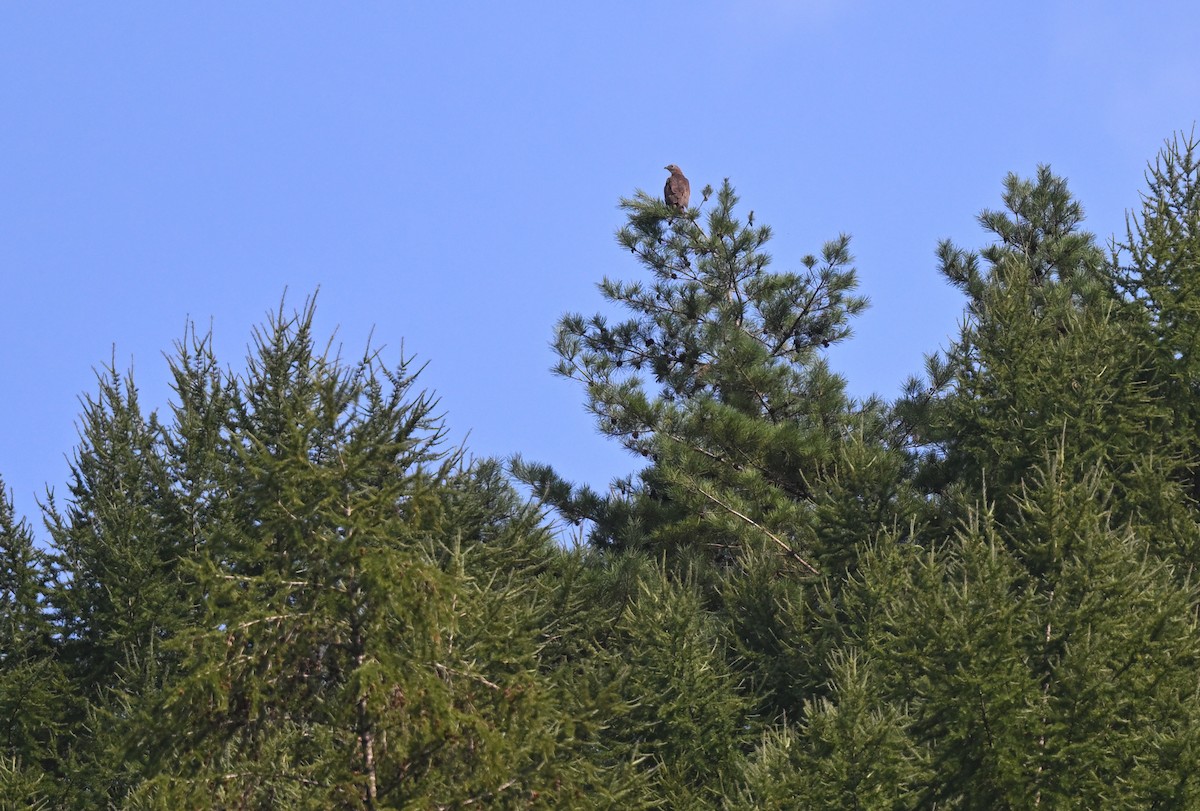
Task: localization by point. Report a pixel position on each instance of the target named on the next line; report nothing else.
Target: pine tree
(1030, 642)
(292, 594)
(718, 379)
(685, 713)
(542, 719)
(763, 476)
(653, 698)
(198, 447)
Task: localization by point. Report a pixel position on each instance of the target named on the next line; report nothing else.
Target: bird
(678, 190)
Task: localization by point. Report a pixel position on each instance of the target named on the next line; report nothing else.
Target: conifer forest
(284, 588)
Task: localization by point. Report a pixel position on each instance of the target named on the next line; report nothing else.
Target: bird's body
(678, 191)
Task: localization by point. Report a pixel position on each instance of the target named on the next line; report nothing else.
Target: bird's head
(672, 168)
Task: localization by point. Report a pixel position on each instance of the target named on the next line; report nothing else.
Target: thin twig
(441, 668)
(782, 544)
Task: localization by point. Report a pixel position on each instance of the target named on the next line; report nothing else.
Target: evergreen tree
(33, 688)
(310, 605)
(746, 418)
(1163, 250)
(123, 593)
(850, 750)
(1006, 651)
(544, 725)
(1050, 660)
(1047, 357)
(685, 714)
(197, 445)
(759, 463)
(372, 619)
(652, 698)
(292, 594)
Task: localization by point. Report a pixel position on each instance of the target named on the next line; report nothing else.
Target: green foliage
(1048, 357)
(848, 751)
(717, 378)
(371, 613)
(288, 593)
(320, 669)
(669, 653)
(116, 536)
(1163, 250)
(1048, 660)
(32, 684)
(1012, 381)
(123, 590)
(23, 788)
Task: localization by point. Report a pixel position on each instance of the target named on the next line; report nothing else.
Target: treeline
(287, 591)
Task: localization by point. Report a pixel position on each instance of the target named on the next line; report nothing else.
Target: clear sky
(447, 174)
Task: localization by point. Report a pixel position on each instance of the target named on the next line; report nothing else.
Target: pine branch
(779, 541)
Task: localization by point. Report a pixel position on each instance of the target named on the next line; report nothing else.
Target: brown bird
(678, 190)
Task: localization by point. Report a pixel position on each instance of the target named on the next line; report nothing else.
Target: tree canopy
(283, 589)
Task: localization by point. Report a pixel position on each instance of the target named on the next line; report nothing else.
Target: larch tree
(34, 692)
(1158, 268)
(1048, 358)
(1048, 659)
(1040, 635)
(124, 591)
(372, 621)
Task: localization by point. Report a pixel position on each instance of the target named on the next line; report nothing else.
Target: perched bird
(678, 190)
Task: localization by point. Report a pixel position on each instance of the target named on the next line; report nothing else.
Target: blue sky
(447, 174)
